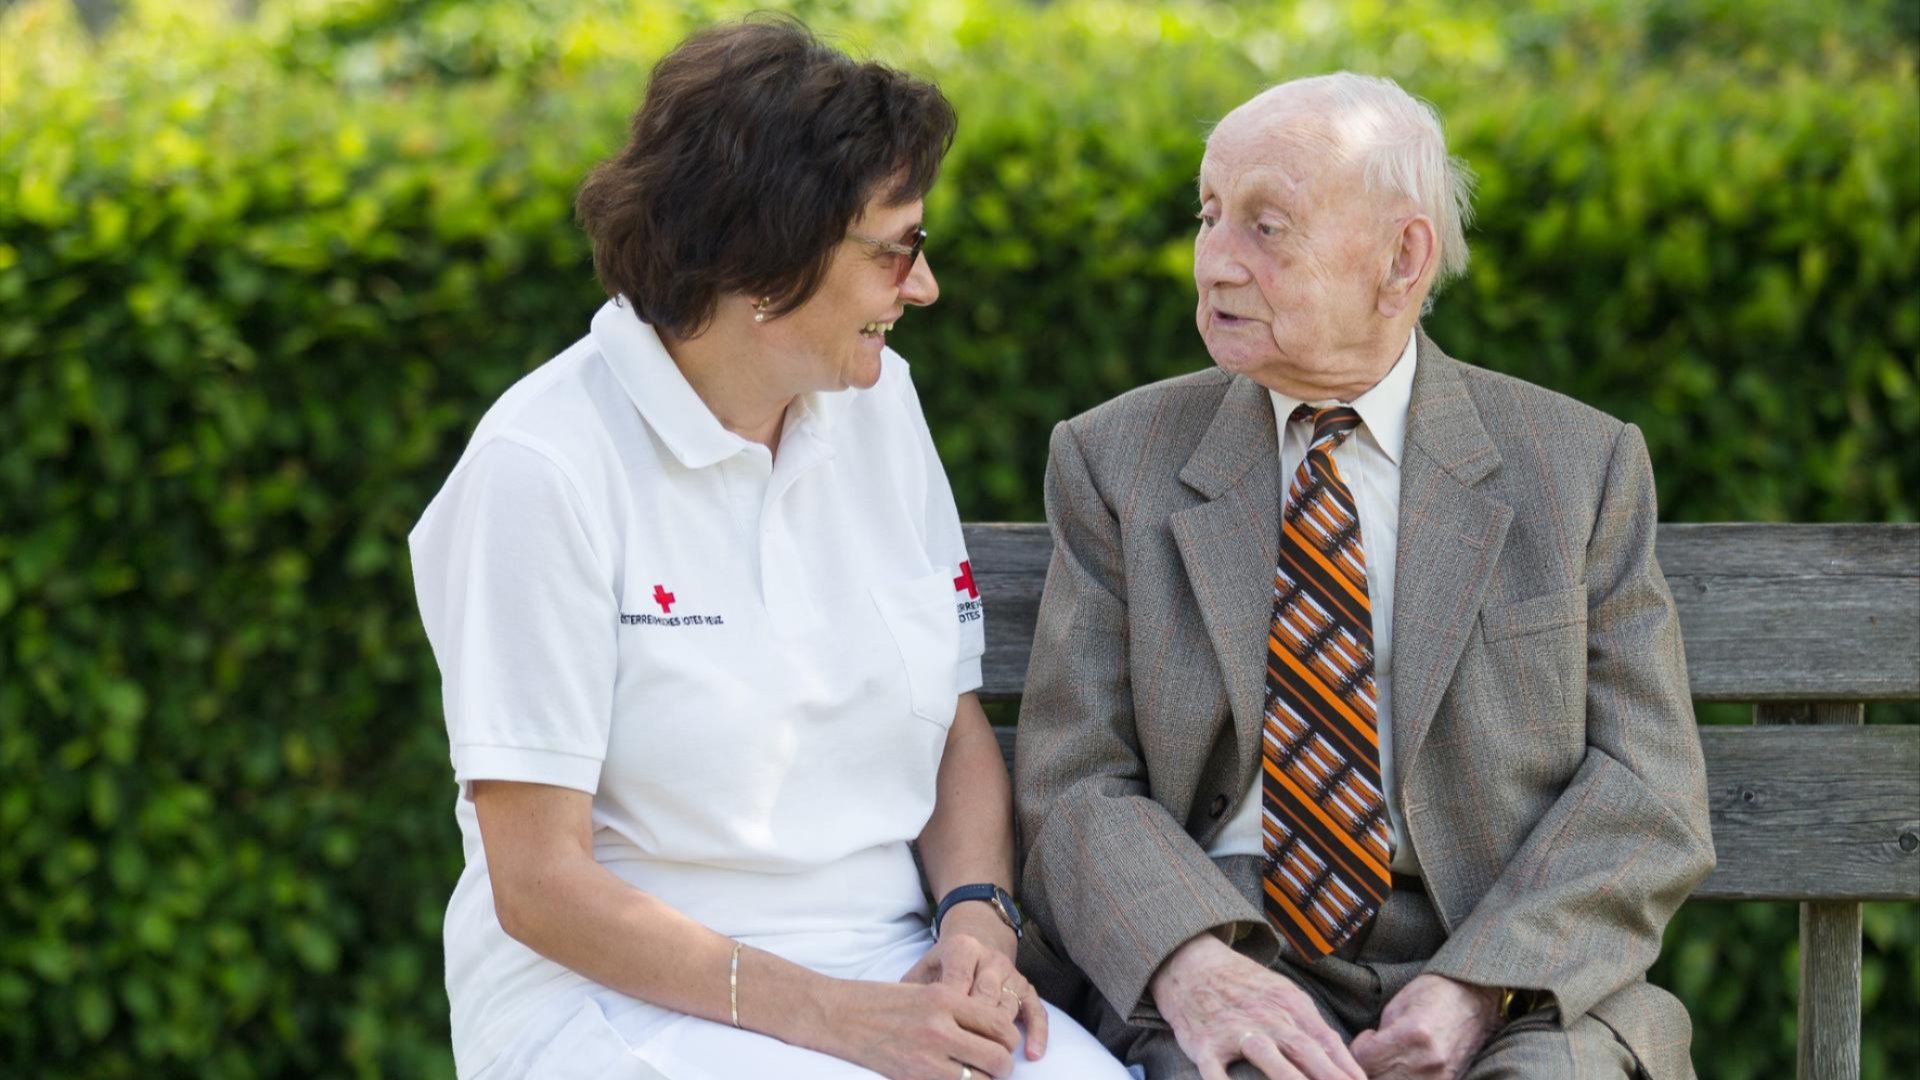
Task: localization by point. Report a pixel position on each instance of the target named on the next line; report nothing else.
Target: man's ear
(1415, 253)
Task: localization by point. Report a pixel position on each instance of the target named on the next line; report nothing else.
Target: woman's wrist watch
(999, 898)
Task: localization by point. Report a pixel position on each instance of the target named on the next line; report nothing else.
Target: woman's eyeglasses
(904, 255)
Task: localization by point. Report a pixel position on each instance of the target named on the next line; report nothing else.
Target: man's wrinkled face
(1288, 258)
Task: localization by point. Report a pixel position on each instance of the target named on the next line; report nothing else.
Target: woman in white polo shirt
(708, 635)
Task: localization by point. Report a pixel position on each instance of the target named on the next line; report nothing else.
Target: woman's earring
(760, 309)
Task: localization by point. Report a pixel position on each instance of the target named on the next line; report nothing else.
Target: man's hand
(1224, 1008)
(1429, 1031)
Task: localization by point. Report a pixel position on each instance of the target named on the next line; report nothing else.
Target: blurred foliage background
(263, 263)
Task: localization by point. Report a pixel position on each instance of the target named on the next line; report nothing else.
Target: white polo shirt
(751, 661)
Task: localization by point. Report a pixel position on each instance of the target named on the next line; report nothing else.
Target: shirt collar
(668, 402)
(1382, 409)
(814, 412)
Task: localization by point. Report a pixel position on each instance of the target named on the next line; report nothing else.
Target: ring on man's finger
(966, 1072)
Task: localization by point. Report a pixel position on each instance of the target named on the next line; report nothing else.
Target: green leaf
(93, 1011)
(315, 948)
(123, 701)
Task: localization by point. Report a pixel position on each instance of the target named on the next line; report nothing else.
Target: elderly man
(1357, 740)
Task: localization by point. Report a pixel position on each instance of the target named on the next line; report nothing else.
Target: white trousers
(607, 1039)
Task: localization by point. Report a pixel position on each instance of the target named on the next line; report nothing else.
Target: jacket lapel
(1450, 539)
(1229, 543)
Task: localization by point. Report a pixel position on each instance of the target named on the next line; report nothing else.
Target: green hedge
(259, 277)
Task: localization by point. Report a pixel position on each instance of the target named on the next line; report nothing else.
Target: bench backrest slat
(1803, 813)
(1769, 612)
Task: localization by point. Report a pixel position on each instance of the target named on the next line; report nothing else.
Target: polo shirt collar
(814, 412)
(668, 402)
(1382, 409)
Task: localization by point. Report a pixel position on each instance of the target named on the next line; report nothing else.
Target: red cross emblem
(664, 598)
(964, 583)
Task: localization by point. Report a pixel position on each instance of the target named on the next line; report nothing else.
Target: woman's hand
(920, 1030)
(975, 955)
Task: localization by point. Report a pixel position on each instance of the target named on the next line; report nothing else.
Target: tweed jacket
(1550, 774)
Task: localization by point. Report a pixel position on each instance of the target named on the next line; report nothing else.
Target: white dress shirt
(1369, 462)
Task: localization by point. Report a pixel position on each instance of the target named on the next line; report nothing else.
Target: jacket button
(1217, 807)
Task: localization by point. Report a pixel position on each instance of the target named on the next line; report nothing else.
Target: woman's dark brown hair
(755, 149)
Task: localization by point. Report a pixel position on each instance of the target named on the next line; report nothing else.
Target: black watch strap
(999, 898)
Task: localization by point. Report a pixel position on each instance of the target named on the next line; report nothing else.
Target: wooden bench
(1807, 623)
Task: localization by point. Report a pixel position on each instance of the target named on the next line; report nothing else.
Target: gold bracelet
(733, 984)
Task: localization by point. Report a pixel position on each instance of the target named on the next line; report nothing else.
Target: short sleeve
(946, 546)
(519, 606)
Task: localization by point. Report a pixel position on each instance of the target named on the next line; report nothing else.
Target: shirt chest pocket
(920, 618)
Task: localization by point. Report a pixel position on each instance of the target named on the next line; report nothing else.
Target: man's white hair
(1401, 148)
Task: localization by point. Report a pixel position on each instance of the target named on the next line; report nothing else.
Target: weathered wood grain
(1828, 1025)
(1814, 813)
(1778, 549)
(1769, 612)
(1829, 1021)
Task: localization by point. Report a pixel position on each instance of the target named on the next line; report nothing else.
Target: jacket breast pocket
(1534, 653)
(1534, 615)
(921, 619)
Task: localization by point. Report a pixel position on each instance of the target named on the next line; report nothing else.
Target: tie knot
(1334, 422)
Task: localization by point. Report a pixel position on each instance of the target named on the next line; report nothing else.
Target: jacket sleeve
(1578, 912)
(1109, 876)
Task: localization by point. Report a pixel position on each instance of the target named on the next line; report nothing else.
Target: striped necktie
(1324, 820)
